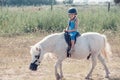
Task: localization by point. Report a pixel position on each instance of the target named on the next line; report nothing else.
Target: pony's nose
(33, 66)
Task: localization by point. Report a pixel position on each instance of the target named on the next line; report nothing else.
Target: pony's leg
(94, 62)
(58, 64)
(104, 64)
(61, 72)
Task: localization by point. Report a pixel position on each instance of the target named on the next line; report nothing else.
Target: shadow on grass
(114, 79)
(106, 79)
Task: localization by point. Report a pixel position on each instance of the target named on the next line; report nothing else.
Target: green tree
(68, 1)
(26, 2)
(117, 1)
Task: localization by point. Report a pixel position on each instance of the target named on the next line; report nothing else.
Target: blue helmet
(72, 10)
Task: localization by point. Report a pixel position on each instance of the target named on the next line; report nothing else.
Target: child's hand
(65, 30)
(68, 30)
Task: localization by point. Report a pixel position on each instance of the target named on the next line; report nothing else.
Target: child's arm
(66, 29)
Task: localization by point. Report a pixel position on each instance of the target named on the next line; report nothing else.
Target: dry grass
(15, 60)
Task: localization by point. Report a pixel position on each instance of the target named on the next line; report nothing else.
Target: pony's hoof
(87, 78)
(63, 78)
(107, 76)
(58, 77)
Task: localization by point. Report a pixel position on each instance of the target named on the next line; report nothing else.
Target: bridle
(37, 58)
(34, 65)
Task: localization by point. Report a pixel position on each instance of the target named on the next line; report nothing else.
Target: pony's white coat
(87, 43)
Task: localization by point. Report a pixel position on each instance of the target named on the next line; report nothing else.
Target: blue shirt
(72, 24)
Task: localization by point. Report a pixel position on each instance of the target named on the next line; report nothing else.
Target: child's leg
(72, 44)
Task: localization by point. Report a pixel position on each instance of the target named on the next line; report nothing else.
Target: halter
(37, 58)
(33, 66)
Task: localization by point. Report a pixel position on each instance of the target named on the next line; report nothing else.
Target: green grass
(20, 20)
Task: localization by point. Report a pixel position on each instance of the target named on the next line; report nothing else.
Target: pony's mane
(51, 36)
(45, 40)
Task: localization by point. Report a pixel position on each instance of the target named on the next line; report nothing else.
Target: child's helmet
(72, 10)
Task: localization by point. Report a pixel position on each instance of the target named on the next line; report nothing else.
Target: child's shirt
(72, 24)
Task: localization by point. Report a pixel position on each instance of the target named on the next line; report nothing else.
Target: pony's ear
(38, 49)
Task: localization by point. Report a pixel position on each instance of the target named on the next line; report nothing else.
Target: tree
(2, 2)
(26, 2)
(117, 1)
(68, 1)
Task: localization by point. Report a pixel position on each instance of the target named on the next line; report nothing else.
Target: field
(15, 41)
(15, 60)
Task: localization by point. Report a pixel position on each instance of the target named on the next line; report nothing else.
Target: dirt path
(15, 60)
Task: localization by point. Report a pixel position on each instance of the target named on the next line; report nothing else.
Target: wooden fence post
(51, 5)
(108, 6)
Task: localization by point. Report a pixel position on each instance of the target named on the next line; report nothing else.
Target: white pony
(88, 43)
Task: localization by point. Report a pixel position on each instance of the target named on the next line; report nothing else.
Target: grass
(20, 20)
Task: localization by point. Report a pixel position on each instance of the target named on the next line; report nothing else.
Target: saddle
(68, 41)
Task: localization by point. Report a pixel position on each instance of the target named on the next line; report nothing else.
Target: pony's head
(36, 53)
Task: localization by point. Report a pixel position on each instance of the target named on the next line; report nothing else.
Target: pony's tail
(106, 51)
